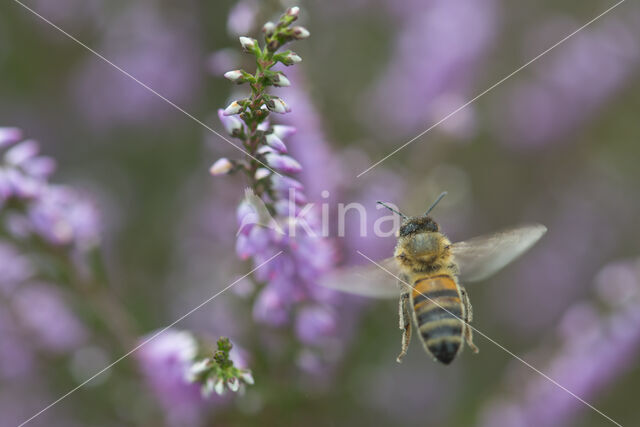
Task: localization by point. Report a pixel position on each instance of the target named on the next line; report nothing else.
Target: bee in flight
(429, 268)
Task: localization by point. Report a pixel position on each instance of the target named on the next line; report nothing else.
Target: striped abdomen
(438, 312)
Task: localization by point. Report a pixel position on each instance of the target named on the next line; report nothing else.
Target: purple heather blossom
(435, 60)
(64, 217)
(569, 87)
(222, 60)
(17, 356)
(43, 313)
(21, 399)
(73, 13)
(283, 163)
(58, 214)
(291, 277)
(31, 207)
(15, 267)
(315, 323)
(595, 348)
(544, 279)
(242, 17)
(231, 124)
(158, 51)
(165, 362)
(9, 135)
(23, 173)
(304, 128)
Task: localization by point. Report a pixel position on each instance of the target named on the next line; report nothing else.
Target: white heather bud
(277, 105)
(247, 377)
(300, 32)
(207, 389)
(282, 81)
(219, 387)
(196, 369)
(269, 29)
(233, 384)
(233, 108)
(262, 173)
(291, 58)
(221, 167)
(293, 11)
(235, 76)
(248, 44)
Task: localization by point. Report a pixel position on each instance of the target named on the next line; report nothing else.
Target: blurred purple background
(557, 143)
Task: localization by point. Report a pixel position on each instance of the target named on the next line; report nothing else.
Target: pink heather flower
(283, 131)
(221, 60)
(22, 152)
(270, 307)
(314, 324)
(44, 314)
(594, 349)
(435, 58)
(62, 216)
(242, 17)
(282, 184)
(571, 86)
(9, 135)
(58, 214)
(283, 163)
(39, 167)
(231, 124)
(23, 173)
(17, 358)
(166, 362)
(160, 50)
(274, 141)
(15, 267)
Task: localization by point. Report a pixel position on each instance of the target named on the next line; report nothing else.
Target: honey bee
(429, 268)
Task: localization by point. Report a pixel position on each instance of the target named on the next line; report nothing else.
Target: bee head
(418, 224)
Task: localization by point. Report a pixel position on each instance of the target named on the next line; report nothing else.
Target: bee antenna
(392, 210)
(444, 193)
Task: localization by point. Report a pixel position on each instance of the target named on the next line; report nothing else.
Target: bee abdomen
(438, 311)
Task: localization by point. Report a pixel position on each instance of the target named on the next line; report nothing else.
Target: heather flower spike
(246, 119)
(216, 372)
(272, 217)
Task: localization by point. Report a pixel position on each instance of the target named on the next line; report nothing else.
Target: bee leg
(468, 316)
(405, 325)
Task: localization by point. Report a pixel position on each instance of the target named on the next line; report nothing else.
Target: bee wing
(482, 256)
(366, 280)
